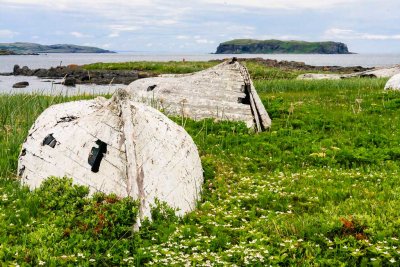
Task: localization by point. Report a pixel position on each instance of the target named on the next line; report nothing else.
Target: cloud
(336, 33)
(113, 35)
(204, 41)
(117, 29)
(80, 35)
(284, 4)
(167, 22)
(198, 25)
(124, 28)
(7, 34)
(78, 4)
(123, 4)
(182, 37)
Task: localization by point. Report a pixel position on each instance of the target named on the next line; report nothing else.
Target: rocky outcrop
(295, 65)
(76, 75)
(21, 85)
(249, 46)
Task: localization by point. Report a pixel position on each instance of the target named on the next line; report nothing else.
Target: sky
(198, 26)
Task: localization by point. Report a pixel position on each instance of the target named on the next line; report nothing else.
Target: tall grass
(257, 70)
(17, 114)
(154, 67)
(321, 188)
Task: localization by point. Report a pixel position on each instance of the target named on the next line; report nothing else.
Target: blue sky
(198, 26)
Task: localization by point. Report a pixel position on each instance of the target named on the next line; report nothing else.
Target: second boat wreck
(223, 92)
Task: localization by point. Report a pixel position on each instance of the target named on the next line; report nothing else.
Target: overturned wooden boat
(224, 92)
(378, 72)
(115, 146)
(393, 83)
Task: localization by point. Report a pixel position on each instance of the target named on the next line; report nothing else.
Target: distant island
(32, 48)
(250, 46)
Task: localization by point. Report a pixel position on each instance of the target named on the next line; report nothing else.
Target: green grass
(257, 70)
(321, 188)
(174, 67)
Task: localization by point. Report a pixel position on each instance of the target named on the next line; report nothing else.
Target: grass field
(257, 70)
(321, 188)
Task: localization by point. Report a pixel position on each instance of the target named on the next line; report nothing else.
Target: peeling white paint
(147, 155)
(379, 72)
(213, 93)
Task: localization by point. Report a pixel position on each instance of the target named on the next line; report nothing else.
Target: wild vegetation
(320, 188)
(258, 71)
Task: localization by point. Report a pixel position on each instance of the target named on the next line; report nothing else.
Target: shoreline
(77, 74)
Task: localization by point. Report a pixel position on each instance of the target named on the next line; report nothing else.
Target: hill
(250, 46)
(29, 48)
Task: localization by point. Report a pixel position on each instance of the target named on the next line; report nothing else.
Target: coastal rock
(16, 69)
(79, 75)
(393, 83)
(115, 146)
(21, 85)
(69, 81)
(24, 71)
(294, 65)
(40, 73)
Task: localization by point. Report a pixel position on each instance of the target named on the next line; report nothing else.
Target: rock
(40, 73)
(223, 92)
(318, 76)
(393, 83)
(115, 146)
(294, 65)
(25, 71)
(69, 81)
(82, 76)
(16, 69)
(85, 78)
(21, 85)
